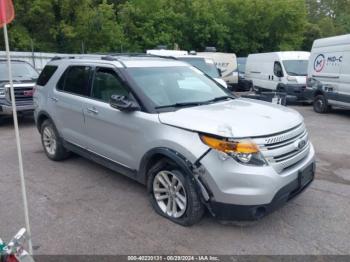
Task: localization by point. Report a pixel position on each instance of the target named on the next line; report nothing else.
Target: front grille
(23, 92)
(286, 149)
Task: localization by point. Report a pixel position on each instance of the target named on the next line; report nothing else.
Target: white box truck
(279, 71)
(328, 81)
(227, 63)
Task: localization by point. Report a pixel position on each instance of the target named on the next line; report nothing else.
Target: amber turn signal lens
(245, 147)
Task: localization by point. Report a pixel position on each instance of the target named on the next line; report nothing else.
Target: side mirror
(123, 103)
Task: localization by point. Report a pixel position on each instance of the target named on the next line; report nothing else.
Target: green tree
(97, 29)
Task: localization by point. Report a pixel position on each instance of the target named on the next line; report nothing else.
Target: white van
(206, 65)
(279, 71)
(329, 73)
(227, 63)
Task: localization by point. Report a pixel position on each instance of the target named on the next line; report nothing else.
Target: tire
(320, 104)
(52, 143)
(160, 177)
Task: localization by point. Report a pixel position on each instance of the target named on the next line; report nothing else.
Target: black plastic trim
(179, 160)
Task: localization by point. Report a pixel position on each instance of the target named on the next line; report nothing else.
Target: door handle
(92, 110)
(54, 99)
(271, 77)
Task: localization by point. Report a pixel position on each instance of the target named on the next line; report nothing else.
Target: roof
(332, 41)
(283, 55)
(121, 60)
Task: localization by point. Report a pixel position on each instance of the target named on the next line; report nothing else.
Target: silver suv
(167, 125)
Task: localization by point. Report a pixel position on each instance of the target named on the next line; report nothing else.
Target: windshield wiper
(220, 98)
(183, 104)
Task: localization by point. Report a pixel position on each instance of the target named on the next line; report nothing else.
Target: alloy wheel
(170, 194)
(49, 140)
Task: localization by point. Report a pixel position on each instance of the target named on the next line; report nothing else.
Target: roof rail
(112, 58)
(140, 55)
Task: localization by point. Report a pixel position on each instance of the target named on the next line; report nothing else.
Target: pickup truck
(24, 78)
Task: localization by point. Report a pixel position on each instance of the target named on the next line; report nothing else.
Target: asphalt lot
(79, 207)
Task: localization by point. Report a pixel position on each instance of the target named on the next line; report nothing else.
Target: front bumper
(253, 212)
(298, 91)
(247, 192)
(309, 93)
(23, 108)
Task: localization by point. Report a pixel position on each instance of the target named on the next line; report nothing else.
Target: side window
(46, 74)
(106, 83)
(75, 80)
(277, 69)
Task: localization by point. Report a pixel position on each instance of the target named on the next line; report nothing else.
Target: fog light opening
(260, 212)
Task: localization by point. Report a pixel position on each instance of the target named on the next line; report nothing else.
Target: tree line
(240, 26)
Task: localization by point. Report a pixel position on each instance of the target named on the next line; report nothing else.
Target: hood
(18, 80)
(298, 79)
(241, 117)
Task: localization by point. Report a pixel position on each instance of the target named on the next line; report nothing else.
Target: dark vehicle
(24, 78)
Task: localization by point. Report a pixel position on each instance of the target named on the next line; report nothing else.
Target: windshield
(166, 86)
(296, 67)
(19, 70)
(205, 65)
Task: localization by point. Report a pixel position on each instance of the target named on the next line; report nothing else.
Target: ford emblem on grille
(299, 144)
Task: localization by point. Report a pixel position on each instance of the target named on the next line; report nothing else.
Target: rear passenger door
(111, 132)
(67, 102)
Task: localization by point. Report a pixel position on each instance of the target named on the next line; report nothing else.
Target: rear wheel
(173, 194)
(51, 142)
(321, 105)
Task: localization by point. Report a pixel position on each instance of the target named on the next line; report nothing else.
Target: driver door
(110, 131)
(275, 79)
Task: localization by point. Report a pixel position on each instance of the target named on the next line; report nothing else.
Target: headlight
(292, 78)
(244, 151)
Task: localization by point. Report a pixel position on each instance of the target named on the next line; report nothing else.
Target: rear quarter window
(46, 74)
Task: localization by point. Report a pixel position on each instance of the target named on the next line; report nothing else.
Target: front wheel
(321, 104)
(173, 194)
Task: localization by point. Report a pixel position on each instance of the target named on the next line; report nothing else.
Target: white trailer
(227, 63)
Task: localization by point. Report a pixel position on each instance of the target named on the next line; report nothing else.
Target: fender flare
(184, 164)
(41, 114)
(319, 91)
(178, 158)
